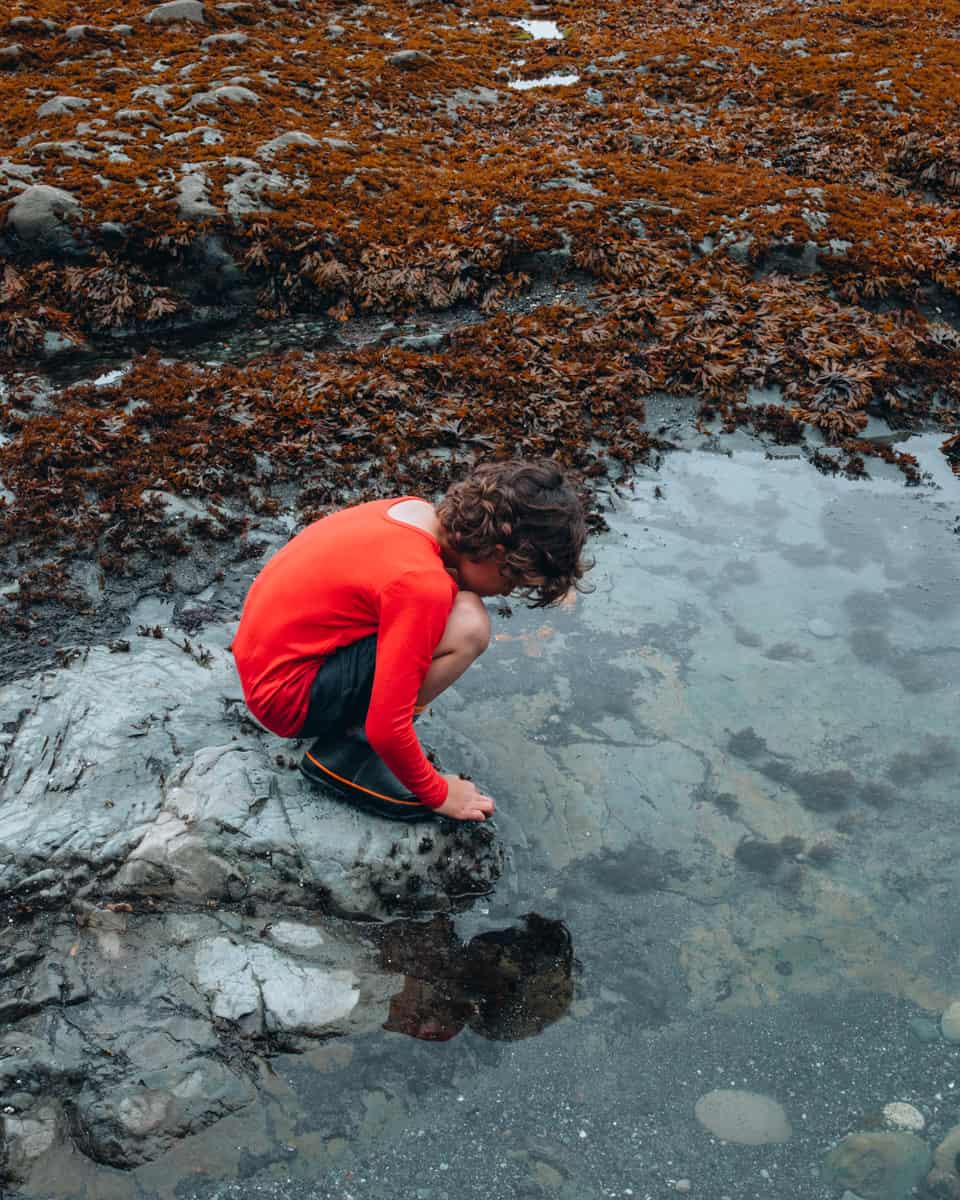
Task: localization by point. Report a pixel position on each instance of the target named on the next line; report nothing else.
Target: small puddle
(524, 85)
(110, 377)
(540, 30)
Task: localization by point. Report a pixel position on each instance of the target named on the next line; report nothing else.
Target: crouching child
(368, 614)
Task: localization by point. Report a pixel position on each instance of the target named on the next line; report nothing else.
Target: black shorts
(340, 692)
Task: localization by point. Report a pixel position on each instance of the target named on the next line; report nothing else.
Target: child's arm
(413, 615)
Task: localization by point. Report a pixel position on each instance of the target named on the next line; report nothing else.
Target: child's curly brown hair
(529, 508)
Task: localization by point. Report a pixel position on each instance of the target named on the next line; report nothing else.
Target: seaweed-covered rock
(176, 10)
(39, 216)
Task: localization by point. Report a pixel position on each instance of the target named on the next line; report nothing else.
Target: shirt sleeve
(413, 615)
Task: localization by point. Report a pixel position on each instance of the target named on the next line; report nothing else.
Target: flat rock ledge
(135, 773)
(176, 902)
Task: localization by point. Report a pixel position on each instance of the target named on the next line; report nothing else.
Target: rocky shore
(260, 260)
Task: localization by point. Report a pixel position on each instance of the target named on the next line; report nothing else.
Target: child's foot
(349, 766)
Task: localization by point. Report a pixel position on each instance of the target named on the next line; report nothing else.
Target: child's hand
(464, 802)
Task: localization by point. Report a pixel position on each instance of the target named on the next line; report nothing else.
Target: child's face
(484, 576)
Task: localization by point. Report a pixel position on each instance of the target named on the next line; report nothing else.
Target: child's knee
(473, 624)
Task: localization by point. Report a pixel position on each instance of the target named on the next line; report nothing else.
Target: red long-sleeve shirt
(355, 573)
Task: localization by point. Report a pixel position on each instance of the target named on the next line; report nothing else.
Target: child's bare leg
(465, 638)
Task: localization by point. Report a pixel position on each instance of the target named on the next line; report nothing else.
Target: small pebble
(821, 629)
(903, 1116)
(924, 1030)
(682, 1185)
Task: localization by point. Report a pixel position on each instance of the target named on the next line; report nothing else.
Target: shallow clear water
(767, 654)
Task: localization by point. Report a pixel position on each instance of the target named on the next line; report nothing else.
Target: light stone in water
(903, 1116)
(746, 1118)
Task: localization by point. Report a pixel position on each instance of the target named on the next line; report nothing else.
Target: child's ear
(500, 553)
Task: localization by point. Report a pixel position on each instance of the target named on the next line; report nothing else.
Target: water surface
(730, 774)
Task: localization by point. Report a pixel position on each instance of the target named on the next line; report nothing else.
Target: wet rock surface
(124, 1072)
(175, 795)
(161, 880)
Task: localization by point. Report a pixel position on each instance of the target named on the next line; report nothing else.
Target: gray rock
(409, 59)
(821, 629)
(228, 94)
(160, 95)
(146, 1053)
(233, 94)
(136, 1122)
(836, 248)
(177, 10)
(62, 104)
(739, 250)
(70, 149)
(294, 138)
(477, 97)
(206, 134)
(169, 797)
(39, 214)
(570, 183)
(79, 33)
(11, 55)
(133, 115)
(279, 993)
(235, 38)
(193, 204)
(815, 220)
(13, 174)
(245, 190)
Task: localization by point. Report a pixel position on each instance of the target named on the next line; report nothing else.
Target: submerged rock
(748, 1118)
(878, 1166)
(126, 1039)
(945, 1176)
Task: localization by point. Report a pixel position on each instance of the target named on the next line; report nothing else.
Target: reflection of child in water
(505, 985)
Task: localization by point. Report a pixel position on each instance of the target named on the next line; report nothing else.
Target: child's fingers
(485, 807)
